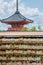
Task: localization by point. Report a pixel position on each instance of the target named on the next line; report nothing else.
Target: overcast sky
(31, 9)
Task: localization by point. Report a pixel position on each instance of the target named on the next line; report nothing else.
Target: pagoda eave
(19, 22)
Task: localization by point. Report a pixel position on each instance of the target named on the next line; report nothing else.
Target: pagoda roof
(17, 16)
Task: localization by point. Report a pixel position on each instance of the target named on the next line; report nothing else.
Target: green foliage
(39, 28)
(33, 29)
(24, 29)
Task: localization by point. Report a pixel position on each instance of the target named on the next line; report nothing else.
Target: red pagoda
(17, 21)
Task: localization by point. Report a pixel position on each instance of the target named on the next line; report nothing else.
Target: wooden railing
(14, 33)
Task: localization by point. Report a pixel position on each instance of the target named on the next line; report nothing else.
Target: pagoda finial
(17, 5)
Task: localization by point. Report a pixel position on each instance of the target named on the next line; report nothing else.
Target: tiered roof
(17, 16)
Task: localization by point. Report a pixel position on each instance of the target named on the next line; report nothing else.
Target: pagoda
(17, 20)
